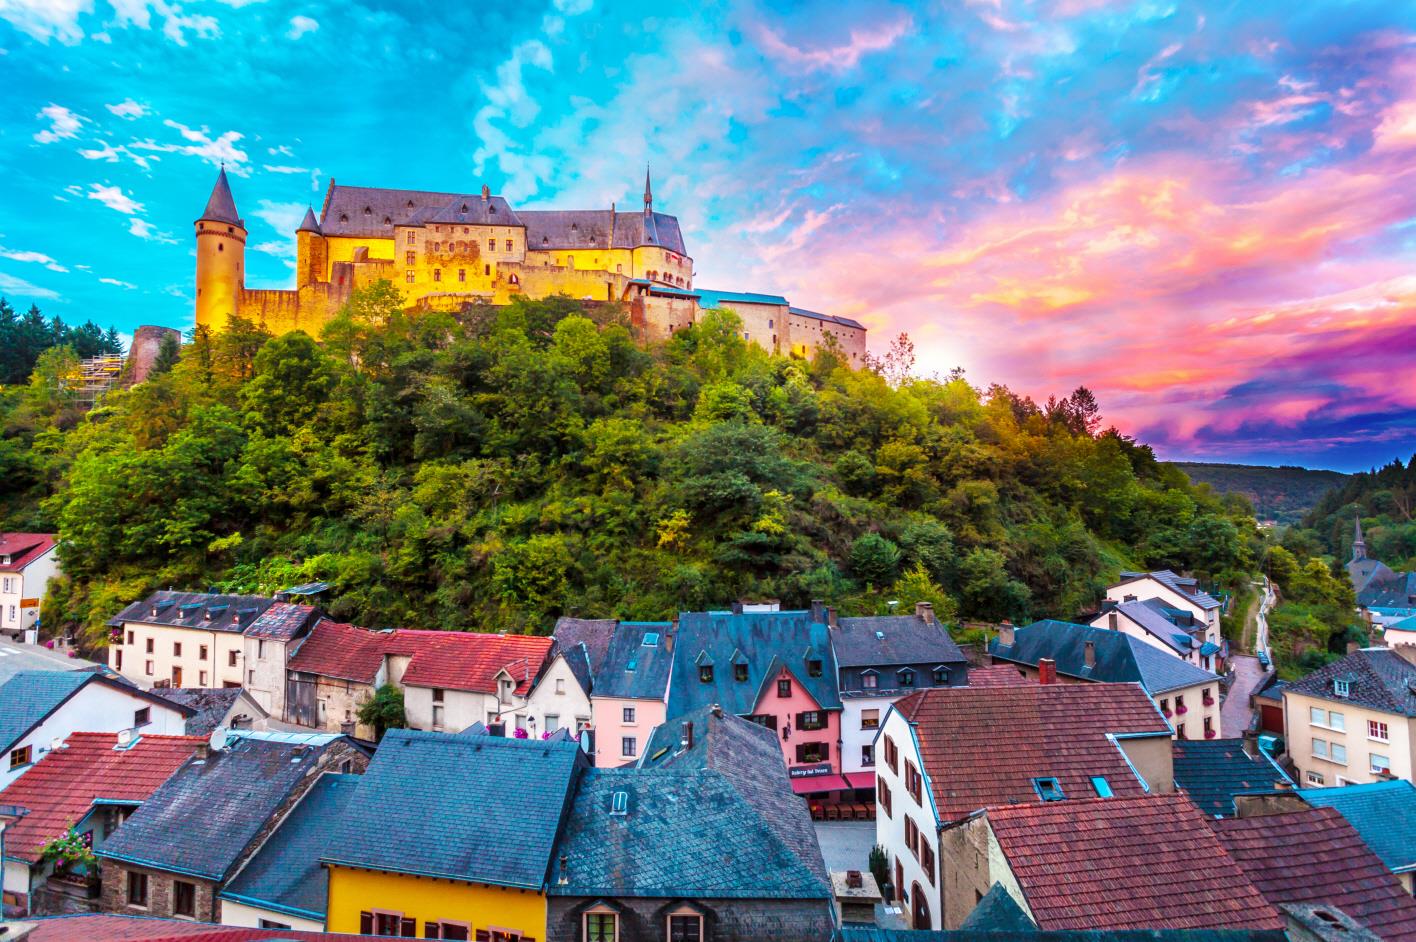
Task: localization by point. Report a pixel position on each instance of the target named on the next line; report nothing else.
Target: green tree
(291, 379)
(875, 560)
(168, 353)
(383, 711)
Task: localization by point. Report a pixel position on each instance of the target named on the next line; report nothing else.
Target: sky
(1205, 212)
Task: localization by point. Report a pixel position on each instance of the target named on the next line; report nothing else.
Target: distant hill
(1284, 494)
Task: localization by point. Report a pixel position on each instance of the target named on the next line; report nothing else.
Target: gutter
(155, 865)
(533, 887)
(267, 904)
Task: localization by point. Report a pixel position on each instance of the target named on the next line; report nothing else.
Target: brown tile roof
(1126, 863)
(1316, 856)
(984, 746)
(997, 675)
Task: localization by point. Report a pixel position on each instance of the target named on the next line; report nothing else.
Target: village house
(39, 709)
(89, 785)
(231, 707)
(1212, 772)
(1178, 592)
(27, 563)
(1384, 815)
(949, 752)
(1354, 720)
(703, 840)
(175, 854)
(775, 669)
(451, 837)
(1058, 651)
(282, 885)
(881, 659)
(1107, 863)
(1176, 631)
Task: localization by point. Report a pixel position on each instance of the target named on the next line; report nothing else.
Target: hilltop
(1283, 494)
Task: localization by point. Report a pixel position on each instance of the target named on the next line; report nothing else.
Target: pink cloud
(863, 41)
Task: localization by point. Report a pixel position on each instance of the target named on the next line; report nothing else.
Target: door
(176, 676)
(899, 880)
(919, 908)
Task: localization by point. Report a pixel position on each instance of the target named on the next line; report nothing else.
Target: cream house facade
(27, 562)
(557, 701)
(1178, 591)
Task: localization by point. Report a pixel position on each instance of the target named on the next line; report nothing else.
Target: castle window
(492, 209)
(515, 280)
(201, 225)
(488, 269)
(344, 217)
(464, 209)
(231, 229)
(411, 235)
(619, 269)
(545, 240)
(462, 274)
(408, 276)
(388, 221)
(437, 274)
(368, 211)
(491, 245)
(508, 245)
(465, 230)
(411, 258)
(220, 247)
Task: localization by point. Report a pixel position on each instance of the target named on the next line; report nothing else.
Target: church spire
(221, 206)
(648, 193)
(1359, 545)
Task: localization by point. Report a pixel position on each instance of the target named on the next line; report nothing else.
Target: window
(912, 836)
(740, 672)
(149, 648)
(118, 659)
(1101, 786)
(926, 859)
(784, 688)
(260, 650)
(619, 803)
(1320, 748)
(685, 927)
(508, 245)
(408, 276)
(651, 639)
(941, 676)
(272, 924)
(491, 245)
(130, 637)
(869, 680)
(1337, 720)
(184, 898)
(1380, 765)
(462, 274)
(905, 678)
(176, 649)
(1048, 789)
(1180, 708)
(149, 668)
(1209, 728)
(882, 796)
(705, 673)
(486, 269)
(629, 747)
(384, 923)
(892, 755)
(251, 677)
(1315, 778)
(201, 678)
(142, 717)
(411, 259)
(813, 668)
(437, 274)
(1377, 731)
(811, 719)
(21, 756)
(439, 709)
(411, 238)
(1331, 719)
(1341, 688)
(1339, 753)
(137, 889)
(810, 752)
(231, 658)
(628, 715)
(867, 755)
(202, 652)
(913, 782)
(869, 719)
(560, 685)
(600, 927)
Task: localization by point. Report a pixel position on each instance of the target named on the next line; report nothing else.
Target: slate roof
(1387, 589)
(594, 633)
(23, 549)
(766, 642)
(63, 786)
(30, 696)
(1190, 588)
(1169, 626)
(309, 223)
(983, 746)
(997, 675)
(633, 668)
(1213, 771)
(1126, 863)
(874, 934)
(1378, 678)
(1383, 813)
(202, 610)
(1120, 658)
(711, 298)
(16, 657)
(282, 621)
(590, 229)
(344, 213)
(221, 207)
(211, 704)
(203, 819)
(830, 318)
(998, 912)
(890, 640)
(1315, 856)
(475, 808)
(285, 873)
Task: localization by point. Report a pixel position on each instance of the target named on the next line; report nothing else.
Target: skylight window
(651, 639)
(1342, 688)
(1048, 789)
(1102, 786)
(619, 803)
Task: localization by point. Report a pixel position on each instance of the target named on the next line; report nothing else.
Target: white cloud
(146, 230)
(284, 169)
(117, 284)
(127, 108)
(509, 101)
(279, 249)
(284, 218)
(13, 286)
(574, 7)
(59, 19)
(282, 151)
(63, 123)
(300, 25)
(20, 255)
(114, 198)
(46, 19)
(107, 152)
(214, 151)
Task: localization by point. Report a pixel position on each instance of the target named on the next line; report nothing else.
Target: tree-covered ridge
(1282, 494)
(495, 469)
(1385, 499)
(25, 337)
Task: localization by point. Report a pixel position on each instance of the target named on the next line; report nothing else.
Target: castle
(447, 250)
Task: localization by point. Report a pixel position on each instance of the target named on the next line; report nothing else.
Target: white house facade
(27, 562)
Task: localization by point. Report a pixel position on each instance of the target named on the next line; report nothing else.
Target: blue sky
(1204, 211)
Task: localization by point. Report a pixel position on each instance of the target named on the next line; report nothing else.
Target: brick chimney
(1250, 740)
(831, 617)
(1047, 671)
(924, 611)
(737, 607)
(686, 742)
(1005, 634)
(1089, 653)
(818, 611)
(486, 193)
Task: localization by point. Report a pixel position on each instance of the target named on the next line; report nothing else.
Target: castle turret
(221, 257)
(311, 251)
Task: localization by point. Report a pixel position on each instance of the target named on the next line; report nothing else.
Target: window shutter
(431, 930)
(801, 720)
(410, 928)
(484, 936)
(366, 923)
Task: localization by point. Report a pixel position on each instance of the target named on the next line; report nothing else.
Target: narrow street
(1236, 713)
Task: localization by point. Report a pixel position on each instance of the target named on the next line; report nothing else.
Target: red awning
(818, 783)
(860, 779)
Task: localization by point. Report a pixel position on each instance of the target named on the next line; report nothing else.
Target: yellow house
(451, 836)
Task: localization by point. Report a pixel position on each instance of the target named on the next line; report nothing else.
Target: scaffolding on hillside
(94, 377)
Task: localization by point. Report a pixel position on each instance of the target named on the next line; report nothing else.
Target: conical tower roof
(1359, 545)
(221, 207)
(309, 223)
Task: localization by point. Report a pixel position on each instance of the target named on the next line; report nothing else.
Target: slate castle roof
(29, 697)
(21, 549)
(1315, 856)
(62, 787)
(1213, 771)
(1377, 678)
(765, 642)
(1383, 813)
(984, 746)
(1119, 657)
(891, 640)
(221, 207)
(203, 820)
(704, 822)
(475, 808)
(285, 873)
(591, 229)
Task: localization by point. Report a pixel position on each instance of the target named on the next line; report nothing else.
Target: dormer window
(1048, 789)
(740, 673)
(905, 678)
(941, 676)
(1101, 786)
(813, 667)
(343, 217)
(869, 680)
(619, 804)
(464, 207)
(1342, 688)
(368, 211)
(705, 674)
(651, 639)
(410, 204)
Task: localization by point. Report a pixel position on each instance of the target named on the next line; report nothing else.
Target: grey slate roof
(233, 613)
(594, 633)
(221, 207)
(361, 211)
(1377, 677)
(709, 821)
(16, 657)
(30, 696)
(203, 819)
(886, 640)
(309, 223)
(633, 669)
(1120, 658)
(1167, 625)
(467, 807)
(211, 704)
(1213, 771)
(285, 873)
(872, 934)
(1186, 586)
(998, 912)
(829, 318)
(1383, 813)
(766, 642)
(1385, 588)
(591, 229)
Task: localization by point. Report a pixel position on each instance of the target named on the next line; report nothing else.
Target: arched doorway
(919, 908)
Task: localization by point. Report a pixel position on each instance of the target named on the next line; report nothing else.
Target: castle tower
(312, 251)
(221, 257)
(1359, 545)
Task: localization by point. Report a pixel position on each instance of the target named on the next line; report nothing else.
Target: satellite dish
(125, 738)
(218, 739)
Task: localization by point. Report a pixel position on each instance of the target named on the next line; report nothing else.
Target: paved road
(1261, 640)
(846, 844)
(1235, 714)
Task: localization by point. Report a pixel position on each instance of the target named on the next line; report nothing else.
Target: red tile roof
(984, 746)
(62, 786)
(24, 548)
(456, 660)
(997, 675)
(1316, 856)
(111, 927)
(1126, 863)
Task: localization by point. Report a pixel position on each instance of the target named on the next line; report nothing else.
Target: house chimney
(853, 880)
(486, 193)
(1089, 654)
(1047, 671)
(203, 750)
(1005, 634)
(1353, 647)
(737, 607)
(716, 709)
(669, 639)
(818, 611)
(924, 611)
(686, 742)
(1250, 740)
(564, 874)
(831, 617)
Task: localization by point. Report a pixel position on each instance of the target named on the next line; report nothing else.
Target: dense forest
(497, 468)
(25, 337)
(1282, 494)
